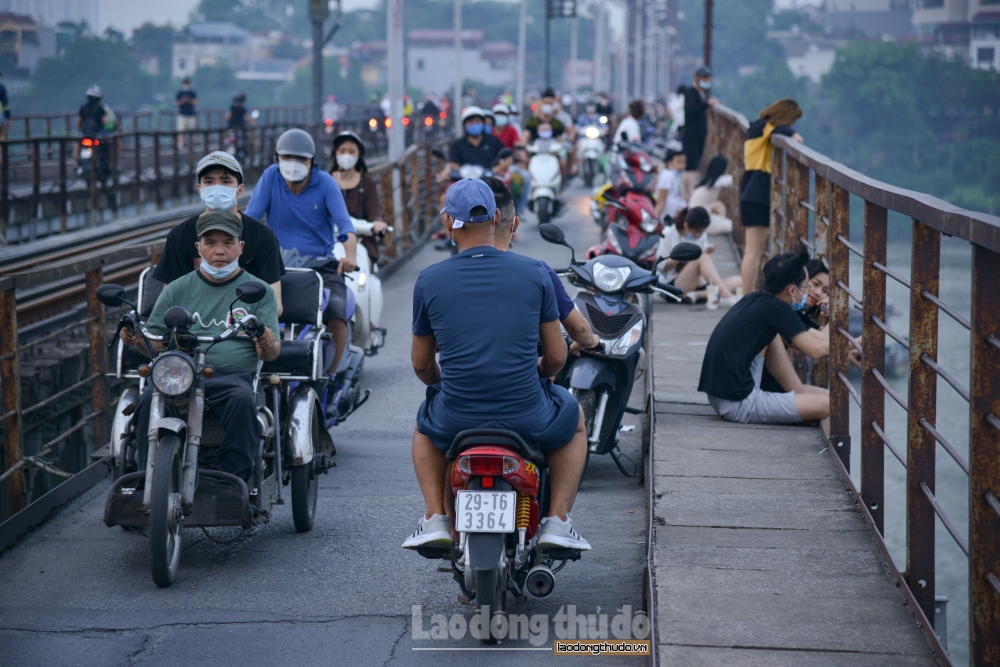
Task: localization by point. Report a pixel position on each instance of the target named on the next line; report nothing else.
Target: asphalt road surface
(75, 592)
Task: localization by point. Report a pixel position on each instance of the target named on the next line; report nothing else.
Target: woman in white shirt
(706, 195)
(690, 227)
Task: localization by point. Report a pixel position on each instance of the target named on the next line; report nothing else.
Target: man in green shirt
(207, 293)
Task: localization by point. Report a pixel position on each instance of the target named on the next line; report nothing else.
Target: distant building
(371, 59)
(886, 19)
(272, 69)
(22, 44)
(53, 12)
(205, 44)
(806, 55)
(430, 62)
(970, 28)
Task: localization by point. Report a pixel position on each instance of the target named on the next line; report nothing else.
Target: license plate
(485, 511)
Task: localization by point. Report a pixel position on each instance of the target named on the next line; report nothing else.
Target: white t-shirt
(630, 126)
(704, 195)
(670, 181)
(669, 237)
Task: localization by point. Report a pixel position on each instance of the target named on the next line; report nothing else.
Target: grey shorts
(336, 306)
(760, 407)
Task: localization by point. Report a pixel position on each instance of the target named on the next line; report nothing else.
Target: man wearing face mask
(220, 184)
(751, 336)
(477, 146)
(304, 207)
(207, 293)
(545, 113)
(502, 128)
(697, 99)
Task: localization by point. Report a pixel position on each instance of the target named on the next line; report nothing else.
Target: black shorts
(336, 306)
(755, 214)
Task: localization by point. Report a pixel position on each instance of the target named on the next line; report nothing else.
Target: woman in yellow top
(755, 188)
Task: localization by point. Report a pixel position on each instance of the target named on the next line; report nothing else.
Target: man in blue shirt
(487, 311)
(305, 208)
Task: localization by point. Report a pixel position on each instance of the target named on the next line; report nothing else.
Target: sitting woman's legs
(703, 267)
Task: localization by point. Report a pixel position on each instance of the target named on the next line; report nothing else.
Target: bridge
(743, 545)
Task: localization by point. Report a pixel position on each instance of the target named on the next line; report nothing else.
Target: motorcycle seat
(495, 436)
(295, 358)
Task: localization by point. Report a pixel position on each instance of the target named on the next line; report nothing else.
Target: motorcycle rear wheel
(491, 593)
(543, 209)
(165, 518)
(589, 170)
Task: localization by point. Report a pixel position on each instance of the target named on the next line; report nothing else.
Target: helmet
(488, 114)
(347, 135)
(296, 142)
(703, 72)
(501, 108)
(472, 112)
(95, 91)
(240, 95)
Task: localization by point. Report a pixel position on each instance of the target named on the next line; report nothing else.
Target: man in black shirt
(697, 99)
(477, 146)
(220, 183)
(750, 336)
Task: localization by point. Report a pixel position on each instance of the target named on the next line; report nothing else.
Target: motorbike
(500, 484)
(235, 142)
(367, 289)
(546, 179)
(633, 230)
(472, 171)
(602, 380)
(630, 169)
(590, 151)
(179, 486)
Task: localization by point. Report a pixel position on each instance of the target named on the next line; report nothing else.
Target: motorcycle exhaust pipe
(540, 581)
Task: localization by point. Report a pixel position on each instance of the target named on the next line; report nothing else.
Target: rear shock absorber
(522, 516)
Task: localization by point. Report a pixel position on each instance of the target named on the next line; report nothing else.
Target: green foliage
(772, 80)
(61, 83)
(158, 41)
(216, 84)
(348, 90)
(738, 38)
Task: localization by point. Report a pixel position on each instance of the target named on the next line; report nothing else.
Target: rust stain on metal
(873, 359)
(97, 334)
(840, 304)
(10, 398)
(922, 401)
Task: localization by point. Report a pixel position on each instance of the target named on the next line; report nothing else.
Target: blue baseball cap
(465, 195)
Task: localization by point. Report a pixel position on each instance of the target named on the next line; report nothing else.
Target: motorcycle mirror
(624, 136)
(255, 114)
(439, 154)
(554, 234)
(685, 252)
(250, 291)
(177, 316)
(111, 294)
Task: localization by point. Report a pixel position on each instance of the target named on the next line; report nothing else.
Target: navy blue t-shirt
(564, 302)
(484, 307)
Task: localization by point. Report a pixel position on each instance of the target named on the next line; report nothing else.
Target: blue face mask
(545, 134)
(474, 129)
(689, 237)
(220, 273)
(218, 197)
(799, 305)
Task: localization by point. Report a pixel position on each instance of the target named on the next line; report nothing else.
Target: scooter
(590, 150)
(546, 179)
(602, 381)
(633, 229)
(367, 289)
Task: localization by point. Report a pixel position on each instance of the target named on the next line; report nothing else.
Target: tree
(158, 41)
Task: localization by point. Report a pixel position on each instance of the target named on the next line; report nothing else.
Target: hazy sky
(128, 14)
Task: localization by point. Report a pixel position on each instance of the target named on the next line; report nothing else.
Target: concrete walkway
(761, 557)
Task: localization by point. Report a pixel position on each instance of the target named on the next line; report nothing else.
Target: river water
(952, 490)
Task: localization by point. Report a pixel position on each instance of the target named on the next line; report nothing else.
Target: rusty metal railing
(416, 193)
(792, 166)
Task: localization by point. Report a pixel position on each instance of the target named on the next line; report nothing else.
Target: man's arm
(579, 331)
(553, 349)
(423, 355)
(277, 296)
(814, 342)
(268, 347)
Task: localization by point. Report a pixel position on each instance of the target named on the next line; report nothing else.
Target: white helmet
(95, 91)
(500, 107)
(472, 112)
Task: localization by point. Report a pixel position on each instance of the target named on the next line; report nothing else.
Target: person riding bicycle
(487, 311)
(358, 187)
(207, 293)
(306, 211)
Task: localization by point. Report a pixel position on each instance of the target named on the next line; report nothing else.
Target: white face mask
(547, 109)
(501, 121)
(218, 197)
(292, 170)
(346, 161)
(222, 273)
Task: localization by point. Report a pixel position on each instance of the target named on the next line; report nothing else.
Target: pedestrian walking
(186, 100)
(755, 187)
(697, 99)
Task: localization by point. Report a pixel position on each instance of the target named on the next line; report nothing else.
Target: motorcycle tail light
(87, 142)
(487, 482)
(329, 121)
(486, 465)
(406, 120)
(428, 121)
(442, 115)
(510, 465)
(388, 122)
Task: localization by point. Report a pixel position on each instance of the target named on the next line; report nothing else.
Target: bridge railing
(820, 219)
(44, 431)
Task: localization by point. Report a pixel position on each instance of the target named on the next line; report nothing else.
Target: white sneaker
(554, 532)
(433, 532)
(728, 301)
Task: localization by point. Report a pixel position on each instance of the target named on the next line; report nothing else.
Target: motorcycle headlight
(362, 280)
(648, 222)
(610, 279)
(592, 132)
(604, 120)
(627, 339)
(471, 171)
(173, 374)
(644, 164)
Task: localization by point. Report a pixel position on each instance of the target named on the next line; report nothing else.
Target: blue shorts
(551, 426)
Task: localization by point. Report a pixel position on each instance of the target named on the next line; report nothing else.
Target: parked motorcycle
(633, 230)
(367, 289)
(179, 486)
(501, 488)
(630, 169)
(602, 380)
(546, 179)
(590, 151)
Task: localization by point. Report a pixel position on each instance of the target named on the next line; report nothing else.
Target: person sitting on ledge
(751, 336)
